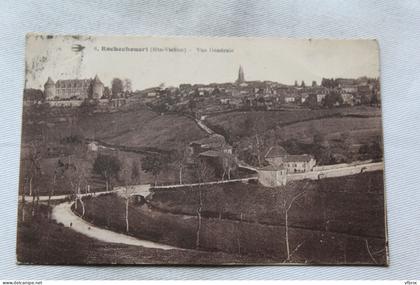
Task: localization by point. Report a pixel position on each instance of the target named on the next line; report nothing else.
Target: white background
(396, 24)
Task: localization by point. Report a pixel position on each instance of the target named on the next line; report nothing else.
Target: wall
(65, 103)
(336, 172)
(334, 166)
(272, 178)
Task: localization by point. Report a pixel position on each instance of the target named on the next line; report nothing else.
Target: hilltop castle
(73, 89)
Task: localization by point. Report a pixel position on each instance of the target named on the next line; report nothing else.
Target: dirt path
(62, 213)
(203, 126)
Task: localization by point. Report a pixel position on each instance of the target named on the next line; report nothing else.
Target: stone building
(272, 176)
(213, 142)
(277, 156)
(73, 89)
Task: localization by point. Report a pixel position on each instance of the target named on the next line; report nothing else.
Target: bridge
(246, 179)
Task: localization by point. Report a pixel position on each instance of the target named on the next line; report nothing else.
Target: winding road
(63, 214)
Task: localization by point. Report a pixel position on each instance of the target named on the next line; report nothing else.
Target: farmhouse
(277, 156)
(299, 163)
(93, 146)
(213, 142)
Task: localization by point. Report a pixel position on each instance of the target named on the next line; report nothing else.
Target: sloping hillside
(163, 131)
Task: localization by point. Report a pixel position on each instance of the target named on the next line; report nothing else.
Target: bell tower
(241, 76)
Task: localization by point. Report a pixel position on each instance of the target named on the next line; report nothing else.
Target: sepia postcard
(201, 151)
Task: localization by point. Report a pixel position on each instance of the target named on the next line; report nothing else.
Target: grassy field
(165, 132)
(139, 127)
(235, 122)
(40, 241)
(335, 220)
(360, 130)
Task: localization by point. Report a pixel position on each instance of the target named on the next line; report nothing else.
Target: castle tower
(49, 89)
(97, 88)
(241, 76)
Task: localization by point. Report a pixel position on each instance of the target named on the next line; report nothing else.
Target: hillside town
(202, 99)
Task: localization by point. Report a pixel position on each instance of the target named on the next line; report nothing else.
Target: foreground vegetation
(333, 221)
(42, 241)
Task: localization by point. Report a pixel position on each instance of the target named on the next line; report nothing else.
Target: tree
(180, 158)
(318, 138)
(33, 172)
(35, 155)
(333, 99)
(365, 99)
(286, 203)
(311, 101)
(328, 83)
(199, 219)
(346, 142)
(302, 84)
(117, 87)
(296, 83)
(107, 93)
(87, 107)
(135, 172)
(216, 92)
(228, 164)
(77, 174)
(33, 95)
(375, 99)
(59, 171)
(153, 163)
(127, 85)
(203, 170)
(192, 105)
(107, 167)
(372, 150)
(129, 177)
(253, 130)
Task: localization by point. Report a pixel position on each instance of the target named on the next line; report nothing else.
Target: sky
(150, 61)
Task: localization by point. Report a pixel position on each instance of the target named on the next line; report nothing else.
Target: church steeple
(241, 76)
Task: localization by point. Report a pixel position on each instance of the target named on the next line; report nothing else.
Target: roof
(49, 81)
(97, 80)
(212, 153)
(297, 158)
(342, 81)
(275, 151)
(73, 83)
(214, 140)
